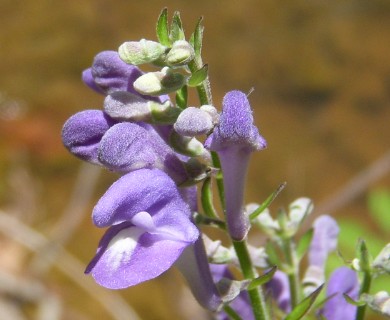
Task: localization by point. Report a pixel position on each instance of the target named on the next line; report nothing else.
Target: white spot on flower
(121, 247)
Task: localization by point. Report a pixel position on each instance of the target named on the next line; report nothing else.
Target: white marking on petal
(121, 247)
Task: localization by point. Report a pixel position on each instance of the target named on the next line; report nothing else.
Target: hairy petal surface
(150, 228)
(83, 131)
(147, 190)
(131, 146)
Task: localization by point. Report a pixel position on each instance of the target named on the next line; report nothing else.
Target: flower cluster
(162, 148)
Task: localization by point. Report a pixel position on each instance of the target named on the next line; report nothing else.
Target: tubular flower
(150, 226)
(234, 139)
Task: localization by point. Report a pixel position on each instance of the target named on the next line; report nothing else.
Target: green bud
(158, 83)
(188, 146)
(140, 52)
(164, 113)
(180, 54)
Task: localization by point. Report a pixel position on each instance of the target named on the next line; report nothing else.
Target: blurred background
(321, 74)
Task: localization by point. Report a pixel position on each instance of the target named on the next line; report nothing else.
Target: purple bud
(109, 74)
(83, 131)
(193, 121)
(324, 240)
(234, 139)
(131, 146)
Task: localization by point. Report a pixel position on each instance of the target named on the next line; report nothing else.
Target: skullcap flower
(234, 139)
(150, 228)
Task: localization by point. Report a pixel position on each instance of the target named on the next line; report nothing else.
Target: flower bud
(212, 112)
(380, 302)
(164, 113)
(140, 52)
(188, 146)
(192, 122)
(158, 83)
(180, 54)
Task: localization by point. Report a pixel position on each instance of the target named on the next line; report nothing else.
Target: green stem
(256, 295)
(365, 288)
(231, 313)
(293, 271)
(219, 178)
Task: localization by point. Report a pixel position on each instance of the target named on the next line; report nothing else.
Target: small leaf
(162, 29)
(198, 76)
(263, 279)
(177, 32)
(272, 254)
(197, 39)
(181, 97)
(207, 199)
(304, 243)
(364, 256)
(267, 202)
(353, 302)
(304, 306)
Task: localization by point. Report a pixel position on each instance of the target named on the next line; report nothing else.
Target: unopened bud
(164, 113)
(188, 146)
(140, 52)
(158, 83)
(180, 54)
(192, 122)
(126, 106)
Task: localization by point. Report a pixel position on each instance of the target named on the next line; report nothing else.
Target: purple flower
(342, 280)
(194, 266)
(109, 74)
(279, 287)
(326, 232)
(83, 132)
(122, 147)
(324, 241)
(150, 227)
(234, 139)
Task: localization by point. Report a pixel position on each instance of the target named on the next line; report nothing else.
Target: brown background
(321, 73)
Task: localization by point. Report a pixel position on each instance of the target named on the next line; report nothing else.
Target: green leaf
(197, 38)
(162, 29)
(198, 76)
(267, 202)
(272, 253)
(263, 279)
(352, 301)
(181, 97)
(304, 243)
(207, 199)
(304, 306)
(177, 32)
(379, 206)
